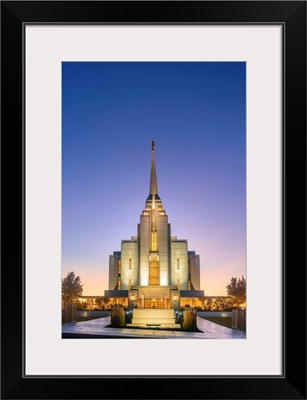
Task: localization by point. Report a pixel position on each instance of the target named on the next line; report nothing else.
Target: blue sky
(195, 113)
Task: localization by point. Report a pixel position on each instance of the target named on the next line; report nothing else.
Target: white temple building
(154, 269)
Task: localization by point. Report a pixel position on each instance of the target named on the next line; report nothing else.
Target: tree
(202, 302)
(236, 289)
(208, 303)
(71, 287)
(101, 301)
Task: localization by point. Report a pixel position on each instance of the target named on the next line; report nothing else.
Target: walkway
(96, 328)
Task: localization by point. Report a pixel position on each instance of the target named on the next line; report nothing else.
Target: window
(130, 263)
(178, 263)
(153, 273)
(153, 241)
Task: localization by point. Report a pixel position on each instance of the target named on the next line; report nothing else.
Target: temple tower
(154, 269)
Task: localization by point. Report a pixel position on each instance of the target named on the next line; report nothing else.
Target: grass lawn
(224, 321)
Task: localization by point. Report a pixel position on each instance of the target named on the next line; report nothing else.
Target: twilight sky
(195, 113)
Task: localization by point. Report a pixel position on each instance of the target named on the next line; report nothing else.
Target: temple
(154, 269)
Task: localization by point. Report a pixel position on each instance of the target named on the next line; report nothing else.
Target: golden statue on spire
(152, 145)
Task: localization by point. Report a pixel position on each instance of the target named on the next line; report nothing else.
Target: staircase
(153, 318)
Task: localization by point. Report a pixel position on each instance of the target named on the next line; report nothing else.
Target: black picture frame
(292, 16)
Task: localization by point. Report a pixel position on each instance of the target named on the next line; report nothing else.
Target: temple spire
(153, 188)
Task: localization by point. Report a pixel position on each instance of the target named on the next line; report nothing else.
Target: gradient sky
(195, 113)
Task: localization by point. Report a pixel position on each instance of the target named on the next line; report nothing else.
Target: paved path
(97, 328)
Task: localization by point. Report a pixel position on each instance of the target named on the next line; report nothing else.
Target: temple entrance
(154, 303)
(154, 297)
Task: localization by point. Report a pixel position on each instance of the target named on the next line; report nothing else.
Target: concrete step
(153, 320)
(149, 313)
(148, 325)
(160, 310)
(161, 317)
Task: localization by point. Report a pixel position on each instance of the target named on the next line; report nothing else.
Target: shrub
(118, 316)
(81, 306)
(189, 320)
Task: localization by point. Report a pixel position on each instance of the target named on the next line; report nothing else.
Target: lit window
(154, 241)
(153, 273)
